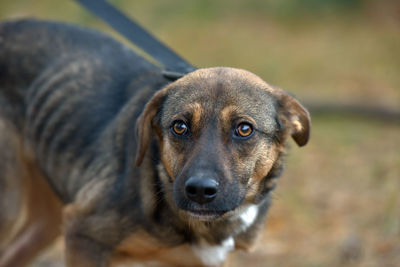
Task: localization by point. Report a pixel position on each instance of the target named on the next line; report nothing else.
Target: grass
(338, 202)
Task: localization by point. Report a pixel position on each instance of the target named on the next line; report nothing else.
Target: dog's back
(64, 88)
(32, 50)
(39, 58)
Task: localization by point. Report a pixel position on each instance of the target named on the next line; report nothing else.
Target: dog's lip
(205, 215)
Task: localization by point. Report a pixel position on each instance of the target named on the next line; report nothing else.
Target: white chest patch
(248, 216)
(213, 255)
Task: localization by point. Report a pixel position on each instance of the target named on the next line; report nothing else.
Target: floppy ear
(295, 117)
(145, 123)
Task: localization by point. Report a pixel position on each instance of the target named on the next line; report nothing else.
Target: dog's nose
(201, 189)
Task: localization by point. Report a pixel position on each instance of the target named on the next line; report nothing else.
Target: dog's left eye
(179, 128)
(244, 130)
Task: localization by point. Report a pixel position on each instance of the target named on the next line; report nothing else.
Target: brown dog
(94, 139)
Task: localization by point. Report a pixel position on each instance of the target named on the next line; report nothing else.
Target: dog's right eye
(179, 128)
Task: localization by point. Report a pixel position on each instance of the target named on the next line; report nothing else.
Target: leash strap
(175, 66)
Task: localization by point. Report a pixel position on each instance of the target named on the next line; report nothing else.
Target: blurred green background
(338, 202)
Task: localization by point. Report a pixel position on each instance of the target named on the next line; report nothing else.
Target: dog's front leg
(90, 232)
(82, 246)
(84, 251)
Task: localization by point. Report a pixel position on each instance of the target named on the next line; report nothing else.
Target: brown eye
(179, 128)
(244, 129)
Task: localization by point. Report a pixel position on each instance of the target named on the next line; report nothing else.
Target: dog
(97, 145)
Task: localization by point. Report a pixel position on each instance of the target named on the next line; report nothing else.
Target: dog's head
(221, 133)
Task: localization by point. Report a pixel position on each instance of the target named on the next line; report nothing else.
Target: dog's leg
(28, 243)
(86, 252)
(82, 249)
(40, 227)
(30, 213)
(89, 236)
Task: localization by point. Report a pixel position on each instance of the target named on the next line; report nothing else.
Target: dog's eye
(179, 128)
(244, 129)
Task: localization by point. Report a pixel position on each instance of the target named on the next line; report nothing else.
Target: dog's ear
(145, 124)
(294, 116)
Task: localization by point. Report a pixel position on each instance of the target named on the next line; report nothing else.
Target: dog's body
(97, 143)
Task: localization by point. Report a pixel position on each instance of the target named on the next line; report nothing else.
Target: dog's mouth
(204, 215)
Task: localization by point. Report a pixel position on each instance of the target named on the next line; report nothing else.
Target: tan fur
(39, 219)
(263, 164)
(169, 158)
(196, 109)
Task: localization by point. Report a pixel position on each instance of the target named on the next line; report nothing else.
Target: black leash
(175, 66)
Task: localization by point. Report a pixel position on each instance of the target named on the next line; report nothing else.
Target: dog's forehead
(222, 81)
(221, 89)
